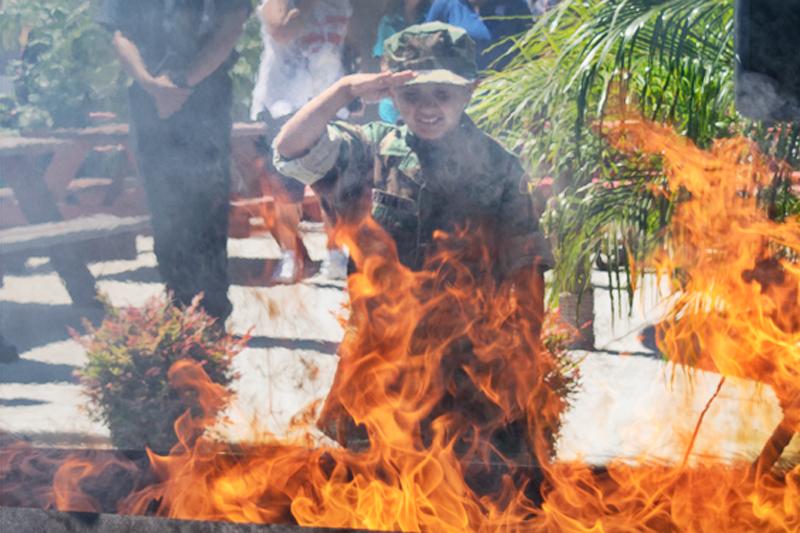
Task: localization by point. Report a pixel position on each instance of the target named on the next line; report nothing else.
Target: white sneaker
(334, 266)
(286, 270)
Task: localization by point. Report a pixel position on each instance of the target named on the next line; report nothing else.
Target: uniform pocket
(398, 216)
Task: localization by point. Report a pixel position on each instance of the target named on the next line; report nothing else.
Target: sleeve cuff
(314, 164)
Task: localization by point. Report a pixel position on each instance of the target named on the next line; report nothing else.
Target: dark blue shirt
(168, 33)
(495, 21)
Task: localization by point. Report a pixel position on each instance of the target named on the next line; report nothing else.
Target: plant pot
(144, 430)
(578, 312)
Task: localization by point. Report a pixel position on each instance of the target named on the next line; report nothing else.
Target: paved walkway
(631, 404)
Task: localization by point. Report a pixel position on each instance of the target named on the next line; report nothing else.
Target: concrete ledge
(40, 521)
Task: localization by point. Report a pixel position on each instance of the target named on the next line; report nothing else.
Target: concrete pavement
(631, 404)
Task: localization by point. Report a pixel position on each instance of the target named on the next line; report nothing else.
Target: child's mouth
(429, 121)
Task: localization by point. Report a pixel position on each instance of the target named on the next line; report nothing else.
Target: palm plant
(588, 62)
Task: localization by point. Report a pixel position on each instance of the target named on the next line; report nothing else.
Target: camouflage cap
(437, 52)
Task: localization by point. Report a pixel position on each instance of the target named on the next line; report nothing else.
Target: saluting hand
(374, 87)
(305, 128)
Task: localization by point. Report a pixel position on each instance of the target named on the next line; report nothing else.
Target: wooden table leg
(63, 167)
(38, 205)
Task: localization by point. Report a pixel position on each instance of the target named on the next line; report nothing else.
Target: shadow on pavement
(246, 272)
(21, 402)
(325, 347)
(28, 325)
(648, 338)
(623, 353)
(28, 372)
(338, 285)
(147, 274)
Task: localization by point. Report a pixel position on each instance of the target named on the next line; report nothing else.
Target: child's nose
(427, 103)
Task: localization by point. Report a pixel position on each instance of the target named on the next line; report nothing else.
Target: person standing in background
(304, 43)
(399, 15)
(179, 54)
(488, 22)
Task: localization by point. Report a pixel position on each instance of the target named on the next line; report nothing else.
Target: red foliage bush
(129, 356)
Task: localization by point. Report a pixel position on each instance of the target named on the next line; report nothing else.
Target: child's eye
(409, 97)
(442, 95)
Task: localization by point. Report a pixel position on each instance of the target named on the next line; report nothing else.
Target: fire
(427, 444)
(737, 310)
(449, 403)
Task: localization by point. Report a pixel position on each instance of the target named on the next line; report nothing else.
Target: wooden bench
(45, 236)
(41, 169)
(60, 241)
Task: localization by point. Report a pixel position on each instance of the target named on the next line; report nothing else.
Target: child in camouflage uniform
(435, 172)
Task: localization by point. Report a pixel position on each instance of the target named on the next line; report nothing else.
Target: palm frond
(590, 61)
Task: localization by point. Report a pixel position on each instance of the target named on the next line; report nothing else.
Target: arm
(522, 244)
(412, 11)
(283, 19)
(218, 48)
(303, 130)
(525, 253)
(131, 59)
(168, 98)
(529, 288)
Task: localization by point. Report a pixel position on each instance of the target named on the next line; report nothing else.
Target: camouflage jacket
(414, 188)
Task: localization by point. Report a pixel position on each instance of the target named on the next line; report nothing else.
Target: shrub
(129, 356)
(67, 67)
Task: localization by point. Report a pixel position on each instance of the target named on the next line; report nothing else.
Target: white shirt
(293, 73)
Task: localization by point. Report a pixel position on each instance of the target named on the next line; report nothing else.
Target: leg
(185, 164)
(335, 264)
(288, 195)
(190, 232)
(287, 222)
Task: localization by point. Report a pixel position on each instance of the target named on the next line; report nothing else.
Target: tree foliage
(66, 69)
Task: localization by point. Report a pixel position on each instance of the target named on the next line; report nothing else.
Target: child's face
(431, 110)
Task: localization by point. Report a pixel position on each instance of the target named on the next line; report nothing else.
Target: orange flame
(450, 404)
(738, 304)
(431, 416)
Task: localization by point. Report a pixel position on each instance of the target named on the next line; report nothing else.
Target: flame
(426, 419)
(449, 403)
(737, 310)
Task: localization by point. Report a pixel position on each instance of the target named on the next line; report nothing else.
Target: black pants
(185, 164)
